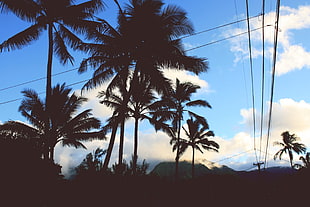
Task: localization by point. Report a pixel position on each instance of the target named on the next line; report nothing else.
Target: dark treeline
(26, 181)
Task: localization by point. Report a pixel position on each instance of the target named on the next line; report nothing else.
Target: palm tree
(197, 136)
(140, 105)
(61, 18)
(147, 51)
(65, 124)
(289, 145)
(117, 102)
(305, 162)
(156, 46)
(174, 105)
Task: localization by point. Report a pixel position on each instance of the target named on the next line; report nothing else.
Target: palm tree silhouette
(118, 51)
(305, 162)
(289, 145)
(65, 123)
(197, 136)
(61, 18)
(117, 101)
(174, 105)
(141, 103)
(148, 51)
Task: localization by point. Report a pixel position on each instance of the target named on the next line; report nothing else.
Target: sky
(227, 85)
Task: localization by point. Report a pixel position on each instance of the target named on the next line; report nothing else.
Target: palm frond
(72, 143)
(198, 103)
(26, 10)
(61, 50)
(22, 39)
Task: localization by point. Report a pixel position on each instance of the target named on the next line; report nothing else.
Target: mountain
(167, 169)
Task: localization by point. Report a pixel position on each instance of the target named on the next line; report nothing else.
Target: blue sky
(226, 86)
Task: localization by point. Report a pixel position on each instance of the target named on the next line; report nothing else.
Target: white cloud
(291, 55)
(294, 57)
(185, 76)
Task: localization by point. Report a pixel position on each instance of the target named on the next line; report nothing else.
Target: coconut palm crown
(289, 145)
(62, 123)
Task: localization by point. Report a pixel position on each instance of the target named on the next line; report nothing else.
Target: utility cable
(227, 38)
(17, 99)
(252, 76)
(263, 79)
(207, 30)
(218, 27)
(273, 76)
(35, 80)
(204, 45)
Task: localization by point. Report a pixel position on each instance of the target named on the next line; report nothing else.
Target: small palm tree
(305, 162)
(65, 124)
(197, 136)
(175, 104)
(61, 18)
(92, 163)
(289, 145)
(118, 102)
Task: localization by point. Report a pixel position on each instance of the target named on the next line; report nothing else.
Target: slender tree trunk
(110, 148)
(135, 152)
(52, 148)
(49, 66)
(121, 142)
(47, 154)
(291, 158)
(193, 162)
(178, 149)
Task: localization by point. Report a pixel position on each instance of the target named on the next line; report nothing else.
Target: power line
(35, 80)
(218, 27)
(220, 40)
(203, 31)
(204, 45)
(232, 156)
(263, 79)
(17, 99)
(252, 76)
(273, 76)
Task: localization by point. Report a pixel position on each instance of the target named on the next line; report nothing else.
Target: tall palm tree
(141, 103)
(68, 125)
(197, 136)
(61, 18)
(148, 51)
(175, 104)
(289, 145)
(118, 102)
(156, 46)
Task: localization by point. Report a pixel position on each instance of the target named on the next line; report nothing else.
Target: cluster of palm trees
(130, 57)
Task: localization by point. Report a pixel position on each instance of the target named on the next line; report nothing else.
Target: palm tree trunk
(110, 148)
(121, 142)
(178, 150)
(52, 148)
(49, 65)
(135, 151)
(193, 162)
(48, 92)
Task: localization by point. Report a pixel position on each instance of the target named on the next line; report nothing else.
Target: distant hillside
(269, 173)
(167, 170)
